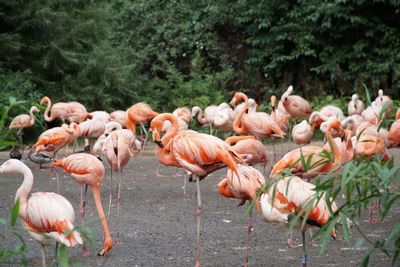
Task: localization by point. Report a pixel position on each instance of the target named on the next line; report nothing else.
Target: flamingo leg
(290, 241)
(249, 228)
(119, 207)
(146, 134)
(19, 136)
(304, 258)
(110, 195)
(43, 252)
(199, 213)
(158, 174)
(184, 185)
(85, 251)
(108, 244)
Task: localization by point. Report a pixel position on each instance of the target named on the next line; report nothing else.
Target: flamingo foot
(314, 244)
(158, 174)
(197, 264)
(103, 252)
(85, 252)
(118, 242)
(370, 220)
(292, 244)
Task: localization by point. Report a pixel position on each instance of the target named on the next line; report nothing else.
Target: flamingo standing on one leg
(23, 121)
(243, 187)
(198, 153)
(88, 170)
(117, 149)
(209, 114)
(291, 195)
(72, 111)
(46, 215)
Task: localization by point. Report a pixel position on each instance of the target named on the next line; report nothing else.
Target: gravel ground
(158, 225)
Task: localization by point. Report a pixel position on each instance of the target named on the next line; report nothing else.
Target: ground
(158, 225)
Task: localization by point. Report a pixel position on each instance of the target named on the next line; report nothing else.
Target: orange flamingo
(139, 113)
(355, 106)
(198, 153)
(295, 105)
(243, 187)
(291, 195)
(88, 170)
(56, 138)
(46, 215)
(23, 121)
(72, 111)
(257, 123)
(302, 133)
(118, 116)
(394, 132)
(293, 161)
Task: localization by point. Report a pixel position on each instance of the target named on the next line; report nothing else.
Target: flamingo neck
(32, 120)
(199, 112)
(172, 130)
(46, 113)
(24, 190)
(238, 125)
(336, 153)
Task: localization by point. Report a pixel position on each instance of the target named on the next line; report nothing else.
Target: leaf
(346, 231)
(63, 255)
(14, 213)
(364, 261)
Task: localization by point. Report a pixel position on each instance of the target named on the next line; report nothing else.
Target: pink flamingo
(198, 153)
(117, 149)
(295, 105)
(251, 107)
(98, 145)
(302, 133)
(46, 215)
(23, 121)
(291, 196)
(91, 129)
(279, 117)
(209, 115)
(88, 170)
(223, 118)
(184, 114)
(72, 111)
(356, 106)
(381, 100)
(101, 116)
(257, 123)
(394, 131)
(118, 116)
(243, 187)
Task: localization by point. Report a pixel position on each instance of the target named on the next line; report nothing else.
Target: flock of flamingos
(48, 215)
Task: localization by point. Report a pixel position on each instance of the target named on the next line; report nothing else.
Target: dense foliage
(109, 55)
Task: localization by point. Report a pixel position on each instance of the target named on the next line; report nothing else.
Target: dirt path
(158, 224)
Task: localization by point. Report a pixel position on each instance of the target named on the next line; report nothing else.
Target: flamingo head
(35, 109)
(11, 166)
(354, 97)
(236, 97)
(335, 125)
(273, 101)
(44, 99)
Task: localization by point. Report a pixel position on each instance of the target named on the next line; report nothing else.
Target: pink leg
(249, 228)
(118, 241)
(290, 242)
(85, 251)
(199, 212)
(158, 174)
(110, 196)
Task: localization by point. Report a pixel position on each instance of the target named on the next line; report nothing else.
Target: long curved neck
(234, 139)
(172, 130)
(197, 110)
(46, 113)
(336, 153)
(24, 190)
(237, 125)
(32, 120)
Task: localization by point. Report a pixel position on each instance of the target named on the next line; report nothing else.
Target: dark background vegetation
(111, 54)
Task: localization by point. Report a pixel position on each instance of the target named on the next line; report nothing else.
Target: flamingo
(88, 170)
(279, 117)
(98, 145)
(118, 116)
(91, 129)
(56, 138)
(184, 114)
(302, 133)
(243, 187)
(332, 112)
(381, 100)
(252, 107)
(224, 117)
(352, 122)
(139, 113)
(373, 111)
(209, 114)
(100, 115)
(23, 121)
(198, 153)
(249, 148)
(257, 123)
(293, 160)
(117, 149)
(394, 131)
(46, 215)
(292, 196)
(356, 106)
(72, 111)
(295, 105)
